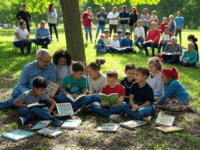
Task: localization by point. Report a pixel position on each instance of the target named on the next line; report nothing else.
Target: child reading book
(141, 101)
(101, 45)
(107, 39)
(176, 97)
(111, 88)
(32, 96)
(139, 35)
(154, 17)
(74, 86)
(115, 43)
(127, 42)
(119, 32)
(163, 24)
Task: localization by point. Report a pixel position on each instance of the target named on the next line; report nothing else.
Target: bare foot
(126, 115)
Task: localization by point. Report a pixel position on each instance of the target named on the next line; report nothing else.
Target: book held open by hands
(35, 104)
(110, 100)
(75, 99)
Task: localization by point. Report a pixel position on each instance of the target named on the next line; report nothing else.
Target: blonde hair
(156, 61)
(171, 16)
(115, 35)
(153, 23)
(112, 74)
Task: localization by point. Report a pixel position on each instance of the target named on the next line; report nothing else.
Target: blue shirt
(125, 43)
(179, 21)
(124, 15)
(42, 32)
(120, 40)
(133, 19)
(103, 17)
(30, 71)
(174, 88)
(100, 44)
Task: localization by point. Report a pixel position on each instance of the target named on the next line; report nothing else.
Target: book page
(80, 97)
(104, 99)
(71, 97)
(113, 98)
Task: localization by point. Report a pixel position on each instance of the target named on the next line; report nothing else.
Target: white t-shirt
(139, 32)
(114, 44)
(113, 15)
(22, 33)
(165, 37)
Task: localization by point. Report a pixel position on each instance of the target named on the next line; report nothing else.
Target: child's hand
(157, 98)
(104, 105)
(74, 95)
(135, 108)
(156, 103)
(119, 102)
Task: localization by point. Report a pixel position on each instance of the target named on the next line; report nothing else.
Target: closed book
(71, 123)
(49, 132)
(133, 124)
(109, 127)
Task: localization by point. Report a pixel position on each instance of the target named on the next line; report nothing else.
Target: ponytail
(97, 64)
(171, 73)
(175, 73)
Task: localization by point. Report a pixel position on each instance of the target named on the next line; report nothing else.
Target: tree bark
(73, 30)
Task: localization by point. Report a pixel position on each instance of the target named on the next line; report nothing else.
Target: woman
(133, 19)
(146, 18)
(193, 39)
(189, 58)
(52, 20)
(172, 25)
(124, 17)
(154, 80)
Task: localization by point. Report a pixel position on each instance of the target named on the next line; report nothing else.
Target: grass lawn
(11, 66)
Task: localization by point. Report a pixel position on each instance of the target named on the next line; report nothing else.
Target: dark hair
(49, 9)
(193, 38)
(127, 33)
(39, 82)
(144, 71)
(119, 31)
(106, 31)
(78, 66)
(22, 22)
(112, 73)
(59, 54)
(97, 64)
(124, 6)
(130, 66)
(24, 5)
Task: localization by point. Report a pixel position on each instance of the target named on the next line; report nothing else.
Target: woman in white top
(52, 19)
(154, 80)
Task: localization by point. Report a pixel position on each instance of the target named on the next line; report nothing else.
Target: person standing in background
(145, 18)
(133, 19)
(24, 15)
(179, 24)
(154, 17)
(172, 25)
(113, 22)
(124, 17)
(52, 20)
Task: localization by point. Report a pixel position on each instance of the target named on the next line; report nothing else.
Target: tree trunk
(73, 30)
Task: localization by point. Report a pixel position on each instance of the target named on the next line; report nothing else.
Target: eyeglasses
(45, 62)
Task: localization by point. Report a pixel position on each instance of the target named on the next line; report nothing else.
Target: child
(141, 101)
(176, 97)
(128, 81)
(107, 39)
(75, 85)
(172, 25)
(101, 45)
(154, 17)
(32, 96)
(62, 66)
(163, 24)
(115, 43)
(119, 32)
(111, 87)
(139, 34)
(128, 43)
(165, 38)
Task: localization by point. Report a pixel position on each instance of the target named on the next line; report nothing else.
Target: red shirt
(162, 26)
(87, 22)
(152, 35)
(120, 89)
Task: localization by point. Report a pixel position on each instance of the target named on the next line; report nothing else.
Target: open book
(110, 100)
(41, 125)
(35, 104)
(167, 53)
(164, 120)
(64, 109)
(122, 48)
(44, 37)
(52, 88)
(75, 99)
(149, 41)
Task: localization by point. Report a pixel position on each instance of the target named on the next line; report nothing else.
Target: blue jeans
(178, 32)
(88, 29)
(95, 98)
(102, 27)
(106, 112)
(141, 40)
(152, 45)
(145, 30)
(123, 28)
(157, 94)
(43, 42)
(170, 58)
(190, 65)
(22, 44)
(77, 105)
(102, 50)
(161, 45)
(140, 113)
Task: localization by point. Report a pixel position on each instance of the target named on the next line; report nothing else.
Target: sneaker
(84, 110)
(56, 122)
(193, 110)
(21, 120)
(148, 119)
(115, 118)
(160, 57)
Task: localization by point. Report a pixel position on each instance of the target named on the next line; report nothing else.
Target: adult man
(113, 22)
(179, 24)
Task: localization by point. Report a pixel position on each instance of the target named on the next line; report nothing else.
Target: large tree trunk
(73, 30)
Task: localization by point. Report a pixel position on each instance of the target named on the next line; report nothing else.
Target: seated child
(139, 34)
(115, 43)
(176, 97)
(163, 24)
(32, 96)
(75, 85)
(128, 43)
(101, 45)
(141, 101)
(107, 39)
(154, 17)
(111, 87)
(119, 32)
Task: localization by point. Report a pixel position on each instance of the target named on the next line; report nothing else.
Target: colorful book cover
(64, 109)
(104, 99)
(169, 129)
(109, 127)
(17, 135)
(40, 125)
(133, 124)
(71, 124)
(52, 88)
(110, 100)
(165, 120)
(113, 99)
(49, 132)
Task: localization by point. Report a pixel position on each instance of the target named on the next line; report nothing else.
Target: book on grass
(133, 124)
(35, 104)
(169, 129)
(71, 123)
(109, 127)
(49, 132)
(52, 88)
(75, 99)
(17, 135)
(64, 109)
(167, 53)
(41, 125)
(164, 120)
(110, 99)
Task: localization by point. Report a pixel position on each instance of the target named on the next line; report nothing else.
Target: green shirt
(74, 86)
(192, 56)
